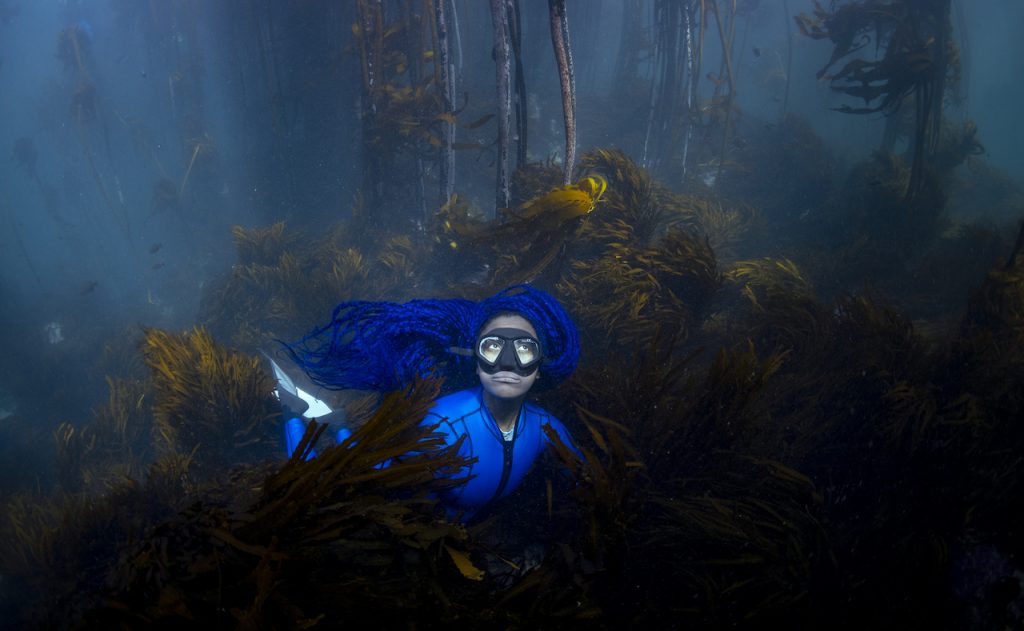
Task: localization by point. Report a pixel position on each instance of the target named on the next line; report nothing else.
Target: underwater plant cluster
(797, 405)
(753, 454)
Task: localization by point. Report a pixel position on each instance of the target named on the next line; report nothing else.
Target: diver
(517, 339)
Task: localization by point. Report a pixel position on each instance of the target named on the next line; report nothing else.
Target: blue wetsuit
(500, 465)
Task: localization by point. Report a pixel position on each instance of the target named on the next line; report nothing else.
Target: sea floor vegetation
(823, 433)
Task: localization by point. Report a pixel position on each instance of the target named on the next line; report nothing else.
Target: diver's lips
(509, 380)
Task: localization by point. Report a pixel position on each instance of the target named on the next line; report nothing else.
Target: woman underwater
(517, 338)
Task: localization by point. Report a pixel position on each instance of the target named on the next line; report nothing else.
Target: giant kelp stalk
(671, 52)
(789, 54)
(563, 56)
(370, 31)
(414, 45)
(692, 77)
(679, 28)
(269, 66)
(26, 155)
(726, 37)
(24, 250)
(446, 77)
(404, 111)
(522, 118)
(72, 47)
(631, 43)
(503, 69)
(914, 53)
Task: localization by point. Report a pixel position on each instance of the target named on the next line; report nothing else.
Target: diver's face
(507, 384)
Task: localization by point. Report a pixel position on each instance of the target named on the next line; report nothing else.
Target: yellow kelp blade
(465, 566)
(565, 203)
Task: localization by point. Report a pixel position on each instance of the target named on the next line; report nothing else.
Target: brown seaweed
(210, 403)
(914, 53)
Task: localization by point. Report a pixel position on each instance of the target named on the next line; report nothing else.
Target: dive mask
(512, 350)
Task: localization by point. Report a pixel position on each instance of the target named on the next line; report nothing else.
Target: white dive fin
(316, 408)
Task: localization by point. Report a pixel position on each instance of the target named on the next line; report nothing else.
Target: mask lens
(527, 351)
(489, 349)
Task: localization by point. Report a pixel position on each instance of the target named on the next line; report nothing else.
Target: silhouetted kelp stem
(914, 49)
(631, 36)
(24, 250)
(1010, 262)
(371, 45)
(502, 64)
(447, 79)
(726, 40)
(563, 56)
(789, 53)
(457, 33)
(678, 42)
(522, 115)
(690, 87)
(371, 49)
(265, 42)
(413, 49)
(663, 80)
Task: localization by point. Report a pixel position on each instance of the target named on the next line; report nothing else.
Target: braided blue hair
(385, 346)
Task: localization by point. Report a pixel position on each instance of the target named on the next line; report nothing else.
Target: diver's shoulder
(457, 404)
(536, 410)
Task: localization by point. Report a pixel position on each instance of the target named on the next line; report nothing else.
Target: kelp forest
(799, 396)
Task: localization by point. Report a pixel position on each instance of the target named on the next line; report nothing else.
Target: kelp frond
(527, 240)
(355, 471)
(634, 201)
(62, 551)
(781, 311)
(629, 293)
(209, 400)
(116, 445)
(562, 204)
(533, 180)
(350, 534)
(723, 225)
(263, 245)
(768, 272)
(743, 543)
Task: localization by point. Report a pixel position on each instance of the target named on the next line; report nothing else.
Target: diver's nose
(507, 359)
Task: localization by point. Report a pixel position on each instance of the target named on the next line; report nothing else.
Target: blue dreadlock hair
(384, 346)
